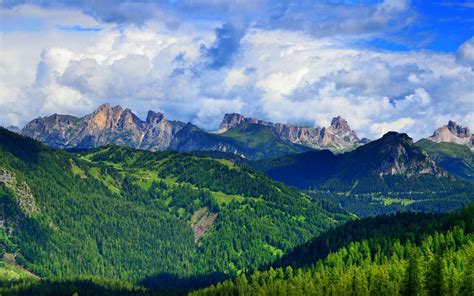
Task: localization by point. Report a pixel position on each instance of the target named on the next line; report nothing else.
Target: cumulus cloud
(399, 125)
(200, 70)
(465, 53)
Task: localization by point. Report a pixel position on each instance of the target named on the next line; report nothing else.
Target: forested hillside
(375, 256)
(154, 218)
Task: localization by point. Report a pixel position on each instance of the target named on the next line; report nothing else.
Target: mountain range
(248, 137)
(244, 136)
(252, 139)
(338, 136)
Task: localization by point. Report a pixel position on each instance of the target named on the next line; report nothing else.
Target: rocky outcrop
(202, 221)
(338, 136)
(21, 191)
(453, 133)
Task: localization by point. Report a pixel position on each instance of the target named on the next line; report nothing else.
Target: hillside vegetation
(454, 158)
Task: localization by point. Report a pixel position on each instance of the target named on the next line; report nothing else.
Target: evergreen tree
(436, 277)
(413, 281)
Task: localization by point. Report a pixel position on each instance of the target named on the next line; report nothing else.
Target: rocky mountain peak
(103, 126)
(395, 154)
(154, 117)
(105, 116)
(339, 123)
(339, 134)
(103, 108)
(453, 133)
(458, 130)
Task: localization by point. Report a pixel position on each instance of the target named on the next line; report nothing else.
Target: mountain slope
(454, 158)
(121, 213)
(386, 175)
(392, 155)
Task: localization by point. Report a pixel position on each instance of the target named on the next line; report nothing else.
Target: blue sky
(392, 64)
(438, 25)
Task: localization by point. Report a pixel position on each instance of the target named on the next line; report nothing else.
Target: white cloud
(279, 75)
(465, 54)
(399, 125)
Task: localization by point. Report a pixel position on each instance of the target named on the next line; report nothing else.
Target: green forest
(373, 256)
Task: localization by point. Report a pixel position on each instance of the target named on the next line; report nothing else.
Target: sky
(384, 65)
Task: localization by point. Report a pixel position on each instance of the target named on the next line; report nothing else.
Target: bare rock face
(230, 120)
(55, 130)
(338, 136)
(202, 222)
(453, 133)
(105, 125)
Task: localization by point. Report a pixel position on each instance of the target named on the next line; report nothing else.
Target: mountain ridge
(338, 136)
(237, 134)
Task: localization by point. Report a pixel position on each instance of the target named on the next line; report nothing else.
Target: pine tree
(413, 283)
(467, 287)
(436, 283)
(360, 286)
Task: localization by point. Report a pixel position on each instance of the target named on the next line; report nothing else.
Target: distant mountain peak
(14, 129)
(340, 123)
(453, 133)
(154, 117)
